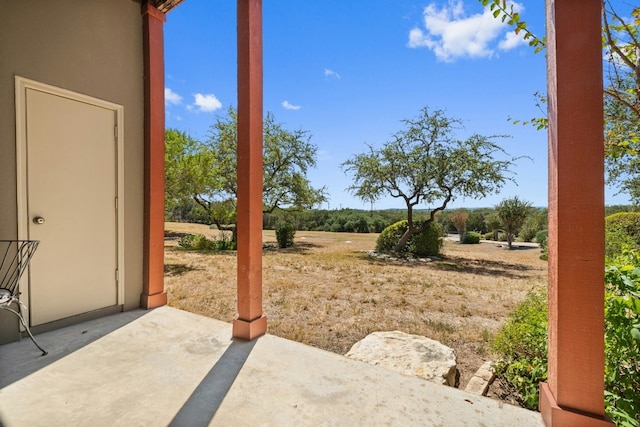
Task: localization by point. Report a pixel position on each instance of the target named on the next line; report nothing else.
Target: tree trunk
(402, 243)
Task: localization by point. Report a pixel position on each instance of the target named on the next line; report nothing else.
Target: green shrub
(471, 238)
(622, 339)
(489, 236)
(196, 242)
(285, 232)
(522, 345)
(535, 222)
(622, 232)
(527, 232)
(427, 243)
(186, 241)
(542, 239)
(389, 237)
(225, 243)
(199, 242)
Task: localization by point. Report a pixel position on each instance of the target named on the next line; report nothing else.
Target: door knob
(38, 220)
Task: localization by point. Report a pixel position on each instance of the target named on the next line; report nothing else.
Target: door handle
(38, 220)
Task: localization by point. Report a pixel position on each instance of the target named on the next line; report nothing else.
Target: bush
(489, 236)
(285, 231)
(622, 339)
(195, 241)
(522, 345)
(186, 241)
(471, 238)
(542, 237)
(199, 242)
(622, 232)
(427, 243)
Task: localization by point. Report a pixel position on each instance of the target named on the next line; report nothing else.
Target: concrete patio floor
(169, 367)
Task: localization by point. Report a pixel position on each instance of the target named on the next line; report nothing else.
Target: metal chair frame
(15, 257)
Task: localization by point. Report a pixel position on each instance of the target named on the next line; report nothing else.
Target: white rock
(408, 354)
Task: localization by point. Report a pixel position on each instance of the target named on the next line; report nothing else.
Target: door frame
(21, 86)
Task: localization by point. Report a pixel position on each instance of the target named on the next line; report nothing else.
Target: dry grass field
(327, 292)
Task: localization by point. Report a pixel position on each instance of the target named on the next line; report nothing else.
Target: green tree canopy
(206, 172)
(426, 163)
(512, 214)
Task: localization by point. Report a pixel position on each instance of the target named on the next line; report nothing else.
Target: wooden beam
(250, 321)
(153, 294)
(574, 394)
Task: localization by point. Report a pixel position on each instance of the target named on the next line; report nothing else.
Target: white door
(71, 203)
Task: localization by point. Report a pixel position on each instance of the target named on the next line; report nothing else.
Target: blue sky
(349, 71)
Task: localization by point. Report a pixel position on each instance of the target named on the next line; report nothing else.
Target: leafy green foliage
(611, 209)
(533, 223)
(342, 220)
(493, 223)
(187, 163)
(199, 242)
(542, 238)
(285, 232)
(471, 238)
(387, 240)
(622, 232)
(512, 214)
(622, 338)
(522, 344)
(427, 243)
(476, 220)
(206, 172)
(426, 163)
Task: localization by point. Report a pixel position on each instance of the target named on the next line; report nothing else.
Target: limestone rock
(479, 383)
(408, 354)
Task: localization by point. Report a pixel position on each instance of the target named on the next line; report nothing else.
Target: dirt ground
(328, 292)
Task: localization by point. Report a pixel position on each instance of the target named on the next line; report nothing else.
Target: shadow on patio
(170, 367)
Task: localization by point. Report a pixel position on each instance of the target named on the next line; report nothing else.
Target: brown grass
(328, 293)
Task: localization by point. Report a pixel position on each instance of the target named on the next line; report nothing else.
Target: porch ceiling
(166, 5)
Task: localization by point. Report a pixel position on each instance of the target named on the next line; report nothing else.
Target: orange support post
(250, 322)
(574, 395)
(153, 294)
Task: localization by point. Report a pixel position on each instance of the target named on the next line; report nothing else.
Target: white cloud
(171, 98)
(206, 103)
(512, 40)
(287, 105)
(450, 33)
(330, 73)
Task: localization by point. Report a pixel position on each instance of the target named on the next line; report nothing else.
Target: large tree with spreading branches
(206, 172)
(425, 163)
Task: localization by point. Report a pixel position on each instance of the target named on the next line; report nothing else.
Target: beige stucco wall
(92, 47)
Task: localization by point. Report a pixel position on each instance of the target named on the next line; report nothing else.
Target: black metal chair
(15, 256)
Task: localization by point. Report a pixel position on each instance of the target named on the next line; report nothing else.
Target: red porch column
(153, 294)
(574, 394)
(250, 322)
